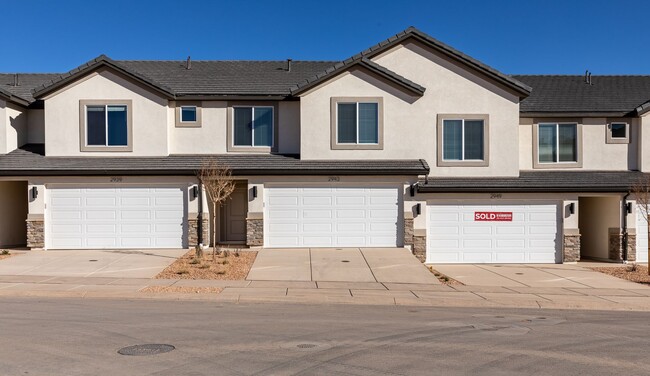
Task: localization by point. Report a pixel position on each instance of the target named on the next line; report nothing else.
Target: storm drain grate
(345, 261)
(146, 349)
(306, 345)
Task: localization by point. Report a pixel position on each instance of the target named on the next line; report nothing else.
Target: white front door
(466, 232)
(113, 218)
(331, 217)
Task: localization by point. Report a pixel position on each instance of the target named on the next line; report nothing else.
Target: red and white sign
(493, 216)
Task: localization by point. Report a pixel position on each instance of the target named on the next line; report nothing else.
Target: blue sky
(514, 36)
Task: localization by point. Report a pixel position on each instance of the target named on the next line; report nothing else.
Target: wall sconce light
(628, 208)
(418, 209)
(254, 191)
(572, 208)
(414, 189)
(195, 192)
(33, 193)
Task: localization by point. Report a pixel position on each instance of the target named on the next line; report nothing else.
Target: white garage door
(331, 217)
(484, 233)
(641, 237)
(133, 217)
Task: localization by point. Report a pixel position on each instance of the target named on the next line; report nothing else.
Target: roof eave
(102, 61)
(541, 114)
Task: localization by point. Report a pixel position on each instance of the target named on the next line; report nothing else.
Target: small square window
(618, 132)
(188, 114)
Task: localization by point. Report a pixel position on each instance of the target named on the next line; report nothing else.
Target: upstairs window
(462, 140)
(253, 126)
(557, 143)
(188, 114)
(618, 132)
(105, 125)
(357, 123)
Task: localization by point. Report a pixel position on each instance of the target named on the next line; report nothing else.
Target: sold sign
(493, 216)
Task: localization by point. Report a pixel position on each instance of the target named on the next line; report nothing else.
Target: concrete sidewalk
(309, 292)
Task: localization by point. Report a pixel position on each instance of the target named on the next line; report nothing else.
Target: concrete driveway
(533, 276)
(91, 263)
(391, 265)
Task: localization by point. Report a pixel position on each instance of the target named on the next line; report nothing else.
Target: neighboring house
(409, 143)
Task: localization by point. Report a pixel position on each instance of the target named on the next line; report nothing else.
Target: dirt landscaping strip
(4, 255)
(182, 289)
(445, 280)
(229, 265)
(633, 273)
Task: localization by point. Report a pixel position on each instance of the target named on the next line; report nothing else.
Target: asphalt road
(82, 337)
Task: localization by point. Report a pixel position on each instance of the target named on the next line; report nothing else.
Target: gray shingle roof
(205, 78)
(26, 83)
(29, 161)
(540, 181)
(621, 94)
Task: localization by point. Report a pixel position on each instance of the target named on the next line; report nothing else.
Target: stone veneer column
(571, 246)
(616, 244)
(35, 231)
(255, 230)
(193, 230)
(420, 244)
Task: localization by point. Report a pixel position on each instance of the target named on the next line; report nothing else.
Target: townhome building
(410, 143)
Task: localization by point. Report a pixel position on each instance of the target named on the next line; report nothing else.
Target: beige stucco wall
(35, 126)
(149, 114)
(596, 153)
(209, 138)
(289, 127)
(410, 122)
(644, 138)
(13, 202)
(13, 127)
(598, 215)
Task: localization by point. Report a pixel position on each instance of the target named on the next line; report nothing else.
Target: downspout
(199, 217)
(625, 227)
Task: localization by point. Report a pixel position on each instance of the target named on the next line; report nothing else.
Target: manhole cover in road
(306, 345)
(144, 350)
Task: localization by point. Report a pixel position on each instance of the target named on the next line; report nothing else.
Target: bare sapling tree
(218, 185)
(641, 193)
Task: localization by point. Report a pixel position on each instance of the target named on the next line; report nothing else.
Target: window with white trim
(557, 143)
(253, 126)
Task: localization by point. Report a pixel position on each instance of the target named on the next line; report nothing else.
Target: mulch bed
(2, 257)
(230, 265)
(640, 275)
(445, 280)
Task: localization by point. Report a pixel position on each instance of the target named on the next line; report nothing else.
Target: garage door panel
(317, 201)
(331, 217)
(477, 257)
(317, 214)
(512, 257)
(477, 230)
(97, 229)
(67, 215)
(529, 237)
(134, 217)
